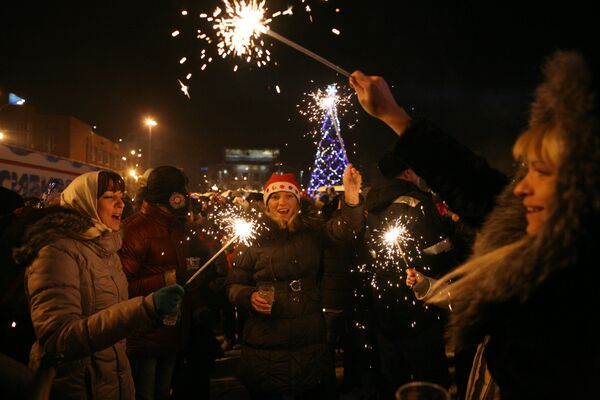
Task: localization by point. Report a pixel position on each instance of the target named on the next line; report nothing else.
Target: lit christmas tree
(330, 158)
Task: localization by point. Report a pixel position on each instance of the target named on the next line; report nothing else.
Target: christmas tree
(330, 158)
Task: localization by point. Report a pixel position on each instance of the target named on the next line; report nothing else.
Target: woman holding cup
(284, 351)
(77, 290)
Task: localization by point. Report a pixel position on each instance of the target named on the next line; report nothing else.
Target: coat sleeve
(347, 225)
(463, 179)
(132, 254)
(240, 282)
(54, 291)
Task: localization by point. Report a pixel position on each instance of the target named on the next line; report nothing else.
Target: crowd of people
(101, 286)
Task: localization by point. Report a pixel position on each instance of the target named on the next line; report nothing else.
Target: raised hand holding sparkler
(352, 185)
(376, 98)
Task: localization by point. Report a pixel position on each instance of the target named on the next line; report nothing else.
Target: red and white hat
(281, 183)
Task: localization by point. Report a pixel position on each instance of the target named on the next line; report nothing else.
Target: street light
(150, 123)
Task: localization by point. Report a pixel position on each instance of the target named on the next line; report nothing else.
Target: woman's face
(537, 190)
(110, 208)
(283, 205)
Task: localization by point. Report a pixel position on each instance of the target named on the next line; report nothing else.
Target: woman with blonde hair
(284, 349)
(527, 294)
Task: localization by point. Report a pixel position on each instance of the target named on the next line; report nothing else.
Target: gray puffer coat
(79, 306)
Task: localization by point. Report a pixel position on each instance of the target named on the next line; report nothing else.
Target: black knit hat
(164, 183)
(391, 165)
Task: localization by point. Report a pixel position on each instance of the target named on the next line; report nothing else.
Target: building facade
(242, 169)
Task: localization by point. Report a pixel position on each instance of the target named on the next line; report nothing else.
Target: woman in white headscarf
(78, 294)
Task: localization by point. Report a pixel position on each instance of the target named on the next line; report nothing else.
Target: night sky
(470, 67)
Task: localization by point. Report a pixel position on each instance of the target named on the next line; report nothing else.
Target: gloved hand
(166, 299)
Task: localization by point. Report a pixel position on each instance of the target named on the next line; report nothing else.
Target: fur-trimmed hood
(43, 227)
(509, 266)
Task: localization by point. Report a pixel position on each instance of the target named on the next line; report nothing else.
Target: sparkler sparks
(317, 104)
(244, 230)
(396, 239)
(185, 89)
(238, 27)
(393, 243)
(235, 228)
(230, 221)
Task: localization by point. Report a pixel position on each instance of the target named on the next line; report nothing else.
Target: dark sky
(470, 66)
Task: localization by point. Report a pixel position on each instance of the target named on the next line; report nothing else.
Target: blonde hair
(545, 144)
(292, 224)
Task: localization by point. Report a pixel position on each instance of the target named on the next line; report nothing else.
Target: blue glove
(166, 299)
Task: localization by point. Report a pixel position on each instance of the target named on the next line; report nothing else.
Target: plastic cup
(267, 292)
(422, 391)
(172, 319)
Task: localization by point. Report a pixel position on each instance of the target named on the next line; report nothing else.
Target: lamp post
(150, 123)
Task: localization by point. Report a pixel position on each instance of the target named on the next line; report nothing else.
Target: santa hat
(281, 183)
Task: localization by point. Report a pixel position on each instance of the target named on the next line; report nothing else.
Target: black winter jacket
(285, 352)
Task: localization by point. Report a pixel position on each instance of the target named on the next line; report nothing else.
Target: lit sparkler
(240, 27)
(395, 239)
(241, 229)
(393, 242)
(317, 104)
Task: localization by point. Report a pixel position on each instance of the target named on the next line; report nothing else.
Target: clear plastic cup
(267, 292)
(422, 391)
(172, 319)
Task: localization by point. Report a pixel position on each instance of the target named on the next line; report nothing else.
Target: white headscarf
(82, 195)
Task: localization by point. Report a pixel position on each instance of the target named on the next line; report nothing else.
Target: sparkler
(318, 104)
(242, 229)
(240, 30)
(395, 238)
(309, 53)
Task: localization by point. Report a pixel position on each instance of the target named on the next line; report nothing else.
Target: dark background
(469, 66)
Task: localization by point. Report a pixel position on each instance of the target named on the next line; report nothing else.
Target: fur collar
(508, 267)
(46, 226)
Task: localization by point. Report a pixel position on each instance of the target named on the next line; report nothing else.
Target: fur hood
(43, 227)
(508, 266)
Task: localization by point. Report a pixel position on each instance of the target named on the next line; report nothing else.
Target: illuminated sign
(251, 155)
(15, 100)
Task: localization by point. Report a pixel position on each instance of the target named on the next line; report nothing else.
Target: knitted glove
(166, 299)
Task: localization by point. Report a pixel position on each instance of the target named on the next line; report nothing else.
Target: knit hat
(167, 185)
(281, 183)
(390, 165)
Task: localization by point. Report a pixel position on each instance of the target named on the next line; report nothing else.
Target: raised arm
(376, 98)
